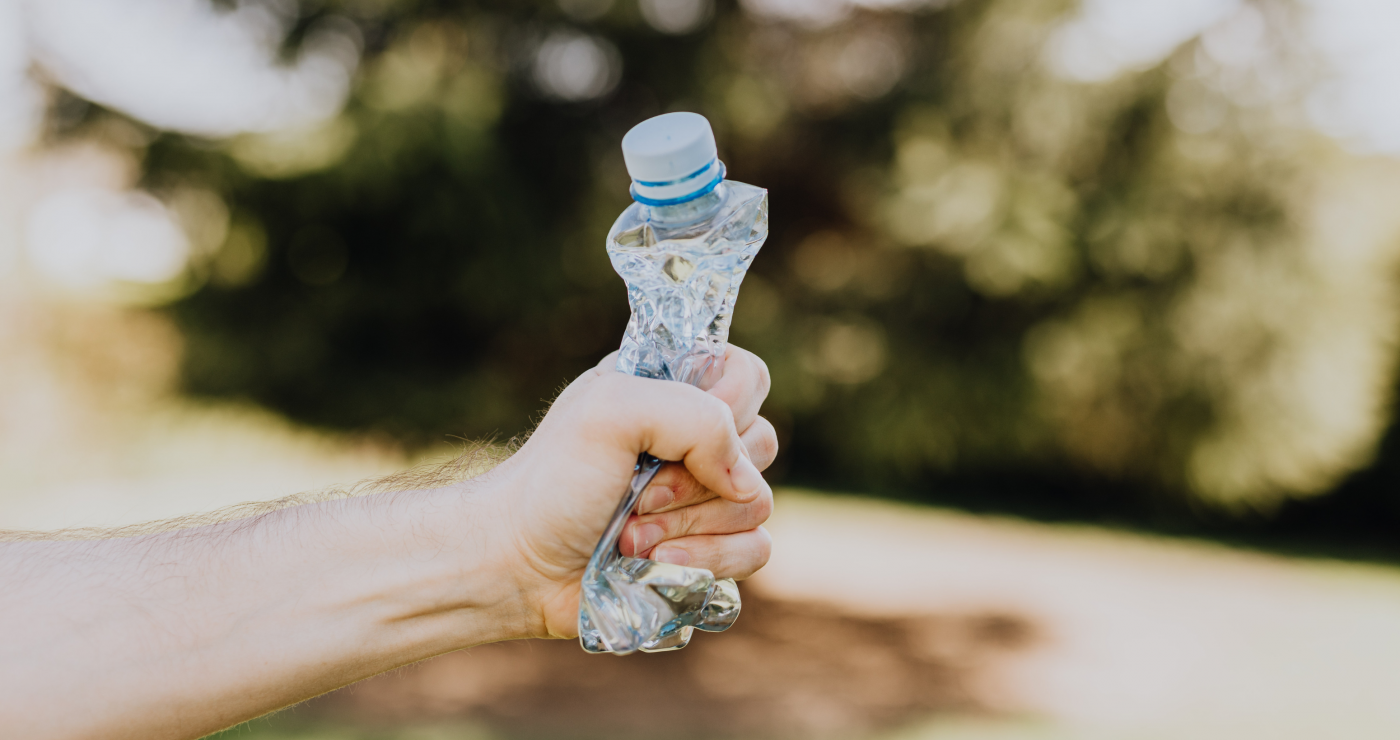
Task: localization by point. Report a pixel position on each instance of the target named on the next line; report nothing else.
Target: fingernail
(672, 555)
(645, 537)
(746, 478)
(656, 498)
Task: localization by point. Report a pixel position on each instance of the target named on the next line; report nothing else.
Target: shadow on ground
(785, 670)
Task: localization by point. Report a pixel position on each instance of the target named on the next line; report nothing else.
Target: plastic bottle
(683, 248)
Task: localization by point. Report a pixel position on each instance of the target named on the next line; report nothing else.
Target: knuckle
(764, 548)
(743, 560)
(688, 489)
(717, 414)
(683, 522)
(604, 398)
(607, 389)
(723, 558)
(610, 382)
(765, 378)
(770, 447)
(766, 443)
(762, 508)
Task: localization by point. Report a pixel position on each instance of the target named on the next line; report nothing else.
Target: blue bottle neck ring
(714, 166)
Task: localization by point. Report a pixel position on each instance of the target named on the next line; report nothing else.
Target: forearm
(182, 633)
(178, 634)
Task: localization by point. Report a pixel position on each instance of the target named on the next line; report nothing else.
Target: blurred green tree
(977, 265)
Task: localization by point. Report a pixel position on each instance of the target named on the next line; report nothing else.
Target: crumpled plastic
(632, 604)
(682, 284)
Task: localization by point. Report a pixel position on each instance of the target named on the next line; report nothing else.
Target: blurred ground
(763, 679)
(1137, 637)
(874, 620)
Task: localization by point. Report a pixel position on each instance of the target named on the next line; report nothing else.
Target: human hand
(300, 600)
(705, 510)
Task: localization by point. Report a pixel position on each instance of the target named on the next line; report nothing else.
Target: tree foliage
(977, 266)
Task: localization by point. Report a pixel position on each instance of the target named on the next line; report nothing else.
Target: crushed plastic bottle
(682, 248)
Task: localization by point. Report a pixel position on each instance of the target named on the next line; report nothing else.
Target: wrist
(438, 574)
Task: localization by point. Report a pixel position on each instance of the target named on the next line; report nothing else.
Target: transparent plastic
(683, 265)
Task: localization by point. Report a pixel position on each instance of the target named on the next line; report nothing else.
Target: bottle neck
(689, 212)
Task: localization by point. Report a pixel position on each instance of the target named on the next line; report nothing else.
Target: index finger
(743, 386)
(609, 362)
(673, 421)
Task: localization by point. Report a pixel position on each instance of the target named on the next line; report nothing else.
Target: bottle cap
(672, 158)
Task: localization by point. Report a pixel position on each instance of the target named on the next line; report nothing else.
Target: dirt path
(1138, 637)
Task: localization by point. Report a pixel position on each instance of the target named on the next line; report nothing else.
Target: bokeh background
(1082, 320)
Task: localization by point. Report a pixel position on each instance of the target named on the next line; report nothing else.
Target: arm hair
(474, 459)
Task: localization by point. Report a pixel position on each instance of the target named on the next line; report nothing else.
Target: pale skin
(185, 632)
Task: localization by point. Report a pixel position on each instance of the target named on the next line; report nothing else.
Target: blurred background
(1082, 320)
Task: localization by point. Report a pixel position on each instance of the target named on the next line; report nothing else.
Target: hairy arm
(181, 633)
(175, 634)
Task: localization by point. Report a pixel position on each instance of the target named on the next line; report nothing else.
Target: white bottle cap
(672, 159)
